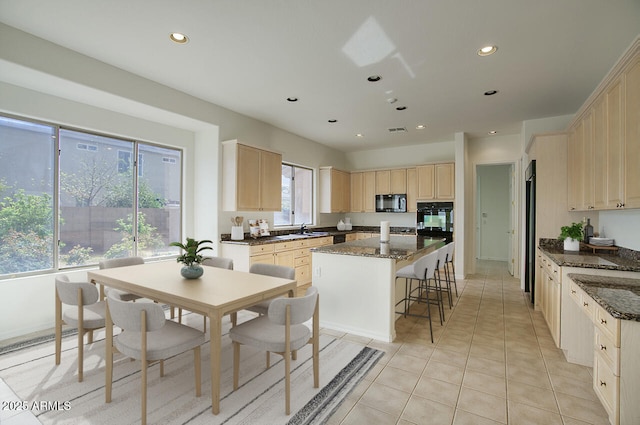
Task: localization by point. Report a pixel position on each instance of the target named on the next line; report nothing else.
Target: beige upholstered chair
(150, 337)
(281, 331)
(220, 262)
(273, 270)
(121, 262)
(88, 314)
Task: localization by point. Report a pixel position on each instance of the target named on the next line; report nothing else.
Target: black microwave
(391, 203)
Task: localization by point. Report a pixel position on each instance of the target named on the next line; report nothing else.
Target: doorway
(495, 213)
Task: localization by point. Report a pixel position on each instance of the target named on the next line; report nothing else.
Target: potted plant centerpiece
(191, 257)
(571, 235)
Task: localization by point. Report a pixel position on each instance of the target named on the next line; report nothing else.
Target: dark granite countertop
(398, 247)
(287, 235)
(589, 260)
(618, 295)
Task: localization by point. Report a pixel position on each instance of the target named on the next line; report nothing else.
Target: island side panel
(357, 294)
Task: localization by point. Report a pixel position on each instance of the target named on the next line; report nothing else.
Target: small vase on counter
(341, 226)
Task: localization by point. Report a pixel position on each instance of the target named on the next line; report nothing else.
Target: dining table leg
(215, 337)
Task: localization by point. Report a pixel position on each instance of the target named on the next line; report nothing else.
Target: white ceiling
(250, 55)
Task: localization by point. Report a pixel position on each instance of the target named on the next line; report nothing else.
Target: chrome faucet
(302, 228)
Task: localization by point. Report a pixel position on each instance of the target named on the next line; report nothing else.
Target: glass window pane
(283, 218)
(158, 200)
(303, 196)
(26, 196)
(96, 199)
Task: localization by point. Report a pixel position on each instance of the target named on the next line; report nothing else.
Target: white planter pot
(571, 245)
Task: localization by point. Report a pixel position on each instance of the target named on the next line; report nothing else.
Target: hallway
(493, 362)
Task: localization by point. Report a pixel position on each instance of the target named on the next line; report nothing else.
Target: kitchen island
(356, 282)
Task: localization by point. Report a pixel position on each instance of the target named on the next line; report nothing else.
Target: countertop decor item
(192, 257)
(571, 235)
(237, 231)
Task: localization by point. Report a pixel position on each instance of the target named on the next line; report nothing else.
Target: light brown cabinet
(632, 134)
(391, 181)
(412, 190)
(294, 253)
(436, 181)
(251, 178)
(363, 191)
(604, 143)
(335, 190)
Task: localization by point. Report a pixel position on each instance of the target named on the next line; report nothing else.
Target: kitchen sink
(301, 235)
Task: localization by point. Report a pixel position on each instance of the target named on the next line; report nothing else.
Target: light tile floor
(493, 362)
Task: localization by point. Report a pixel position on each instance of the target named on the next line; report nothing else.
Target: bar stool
(422, 270)
(452, 275)
(442, 266)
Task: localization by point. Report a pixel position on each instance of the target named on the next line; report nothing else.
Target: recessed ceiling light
(179, 38)
(421, 127)
(490, 92)
(292, 99)
(492, 132)
(332, 121)
(487, 50)
(374, 78)
(359, 135)
(401, 108)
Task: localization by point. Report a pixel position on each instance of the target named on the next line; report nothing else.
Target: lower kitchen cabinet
(549, 294)
(615, 348)
(295, 253)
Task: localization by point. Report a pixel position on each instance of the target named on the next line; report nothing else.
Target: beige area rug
(33, 389)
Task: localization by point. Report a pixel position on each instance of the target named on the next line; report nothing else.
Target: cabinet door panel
(587, 162)
(599, 155)
(357, 195)
(426, 181)
(270, 181)
(632, 136)
(445, 183)
(398, 181)
(248, 179)
(369, 191)
(383, 183)
(615, 145)
(412, 189)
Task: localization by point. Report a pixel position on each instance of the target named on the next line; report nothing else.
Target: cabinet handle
(603, 322)
(585, 304)
(603, 347)
(573, 292)
(603, 384)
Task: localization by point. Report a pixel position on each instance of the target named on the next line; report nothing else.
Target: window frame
(312, 208)
(56, 192)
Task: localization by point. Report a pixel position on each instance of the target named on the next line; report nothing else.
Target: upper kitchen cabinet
(252, 178)
(604, 142)
(632, 133)
(391, 181)
(412, 189)
(363, 191)
(436, 182)
(335, 190)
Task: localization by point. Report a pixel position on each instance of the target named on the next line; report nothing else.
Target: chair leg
(179, 315)
(143, 393)
(161, 368)
(58, 328)
(453, 273)
(204, 319)
(287, 382)
(268, 358)
(236, 364)
(429, 312)
(80, 354)
(197, 367)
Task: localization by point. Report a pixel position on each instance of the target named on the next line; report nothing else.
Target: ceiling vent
(398, 130)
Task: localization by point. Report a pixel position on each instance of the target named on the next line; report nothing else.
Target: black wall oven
(435, 219)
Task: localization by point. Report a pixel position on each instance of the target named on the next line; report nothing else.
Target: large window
(297, 196)
(106, 206)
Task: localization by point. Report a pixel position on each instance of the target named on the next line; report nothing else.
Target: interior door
(512, 218)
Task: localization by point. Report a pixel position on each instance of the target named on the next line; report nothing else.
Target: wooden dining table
(217, 293)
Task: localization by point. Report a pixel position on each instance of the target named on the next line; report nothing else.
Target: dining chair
(422, 270)
(220, 262)
(273, 270)
(149, 337)
(282, 331)
(88, 314)
(121, 262)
